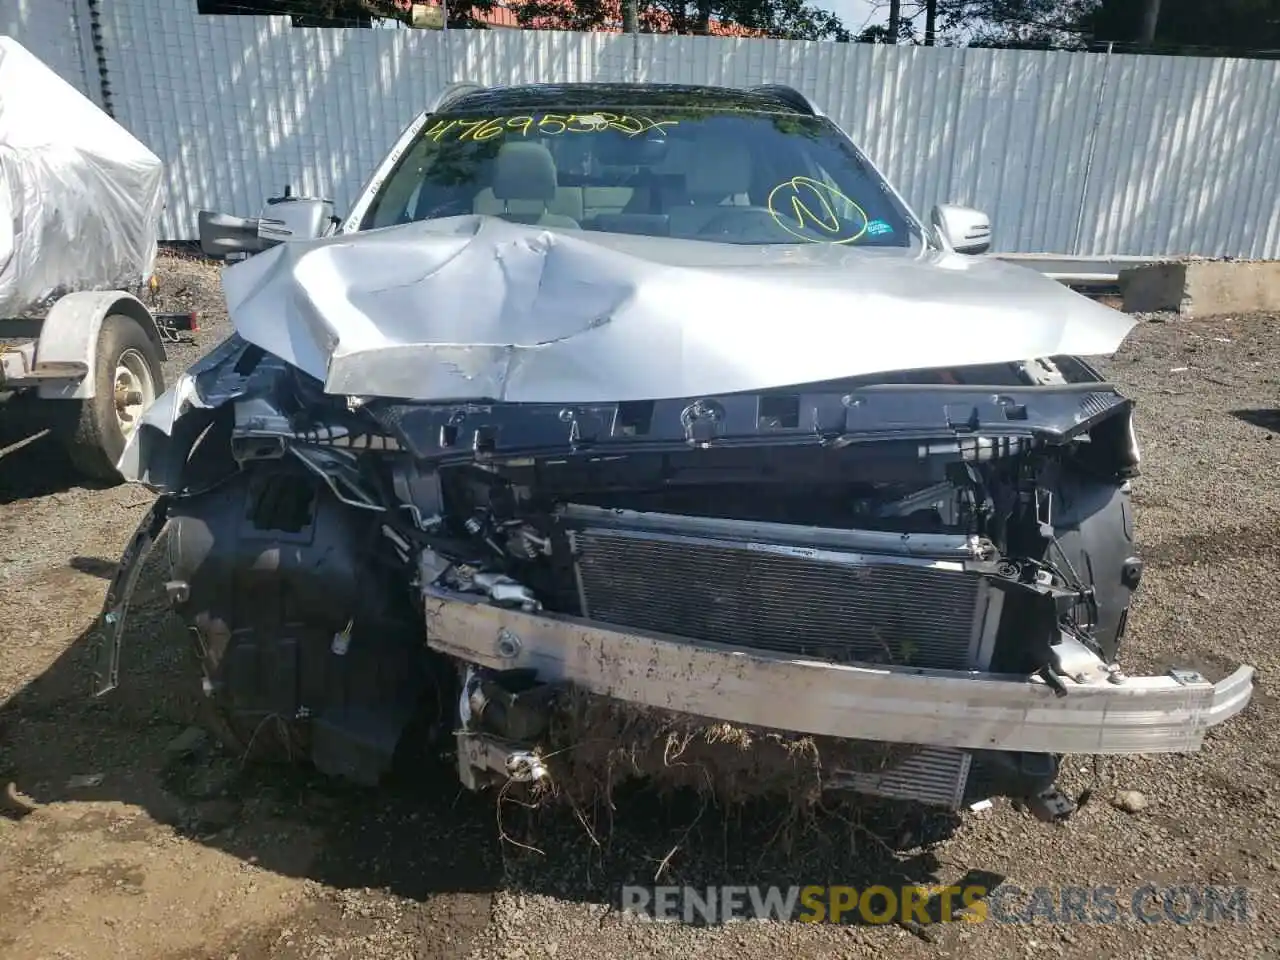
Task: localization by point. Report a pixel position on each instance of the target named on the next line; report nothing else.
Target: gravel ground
(115, 847)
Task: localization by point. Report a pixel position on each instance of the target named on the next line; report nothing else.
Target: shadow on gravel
(420, 836)
(1250, 540)
(95, 566)
(32, 462)
(1266, 419)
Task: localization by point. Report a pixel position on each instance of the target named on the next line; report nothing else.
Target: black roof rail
(789, 95)
(454, 92)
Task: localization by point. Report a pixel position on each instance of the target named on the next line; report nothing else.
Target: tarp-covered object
(80, 198)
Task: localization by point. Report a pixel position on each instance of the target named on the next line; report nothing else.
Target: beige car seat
(524, 187)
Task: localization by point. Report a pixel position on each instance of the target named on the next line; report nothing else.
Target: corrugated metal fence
(1069, 153)
(59, 32)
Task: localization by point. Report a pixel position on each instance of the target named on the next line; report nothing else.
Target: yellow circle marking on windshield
(813, 205)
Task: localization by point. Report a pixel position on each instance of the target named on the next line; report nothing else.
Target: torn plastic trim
(237, 373)
(155, 454)
(338, 473)
(484, 755)
(109, 631)
(969, 422)
(974, 710)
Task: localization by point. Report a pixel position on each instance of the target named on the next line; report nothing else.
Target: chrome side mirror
(295, 218)
(962, 229)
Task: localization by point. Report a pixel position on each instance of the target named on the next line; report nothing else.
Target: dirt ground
(118, 847)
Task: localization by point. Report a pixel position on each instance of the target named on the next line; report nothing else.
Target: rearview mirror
(962, 229)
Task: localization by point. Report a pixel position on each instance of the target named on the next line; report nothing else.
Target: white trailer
(80, 200)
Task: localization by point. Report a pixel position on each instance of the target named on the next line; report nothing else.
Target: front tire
(128, 377)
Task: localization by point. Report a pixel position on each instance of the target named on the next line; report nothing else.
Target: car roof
(532, 96)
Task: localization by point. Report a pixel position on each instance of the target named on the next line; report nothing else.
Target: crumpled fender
(156, 452)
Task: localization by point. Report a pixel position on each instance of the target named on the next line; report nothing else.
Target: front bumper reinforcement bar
(976, 711)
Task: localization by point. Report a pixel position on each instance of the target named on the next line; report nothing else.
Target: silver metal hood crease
(475, 308)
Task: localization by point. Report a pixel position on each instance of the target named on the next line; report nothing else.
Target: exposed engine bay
(632, 574)
(578, 500)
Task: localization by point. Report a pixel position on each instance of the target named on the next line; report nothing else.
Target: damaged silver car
(644, 431)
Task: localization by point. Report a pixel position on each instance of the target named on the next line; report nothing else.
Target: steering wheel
(450, 208)
(740, 221)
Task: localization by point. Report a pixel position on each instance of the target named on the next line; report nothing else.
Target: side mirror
(962, 229)
(222, 235)
(295, 218)
(282, 218)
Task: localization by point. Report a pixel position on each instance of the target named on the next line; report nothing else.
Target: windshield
(725, 176)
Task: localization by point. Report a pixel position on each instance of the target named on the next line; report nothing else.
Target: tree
(343, 13)
(461, 13)
(560, 15)
(1165, 26)
(1016, 23)
(1220, 26)
(790, 19)
(793, 19)
(1150, 17)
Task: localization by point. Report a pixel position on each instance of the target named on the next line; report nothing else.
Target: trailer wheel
(129, 378)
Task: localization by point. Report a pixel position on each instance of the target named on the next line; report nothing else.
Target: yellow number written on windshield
(545, 125)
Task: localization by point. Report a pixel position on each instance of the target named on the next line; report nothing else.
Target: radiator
(836, 595)
(935, 775)
(822, 602)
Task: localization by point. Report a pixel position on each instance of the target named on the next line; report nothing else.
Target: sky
(856, 14)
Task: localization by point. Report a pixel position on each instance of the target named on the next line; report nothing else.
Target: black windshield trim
(630, 96)
(612, 107)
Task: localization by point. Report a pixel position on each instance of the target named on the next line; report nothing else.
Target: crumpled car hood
(475, 308)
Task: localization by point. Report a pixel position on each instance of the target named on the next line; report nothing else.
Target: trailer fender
(69, 340)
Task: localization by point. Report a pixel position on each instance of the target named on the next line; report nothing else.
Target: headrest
(524, 171)
(720, 168)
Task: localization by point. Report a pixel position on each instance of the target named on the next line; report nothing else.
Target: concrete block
(1203, 288)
